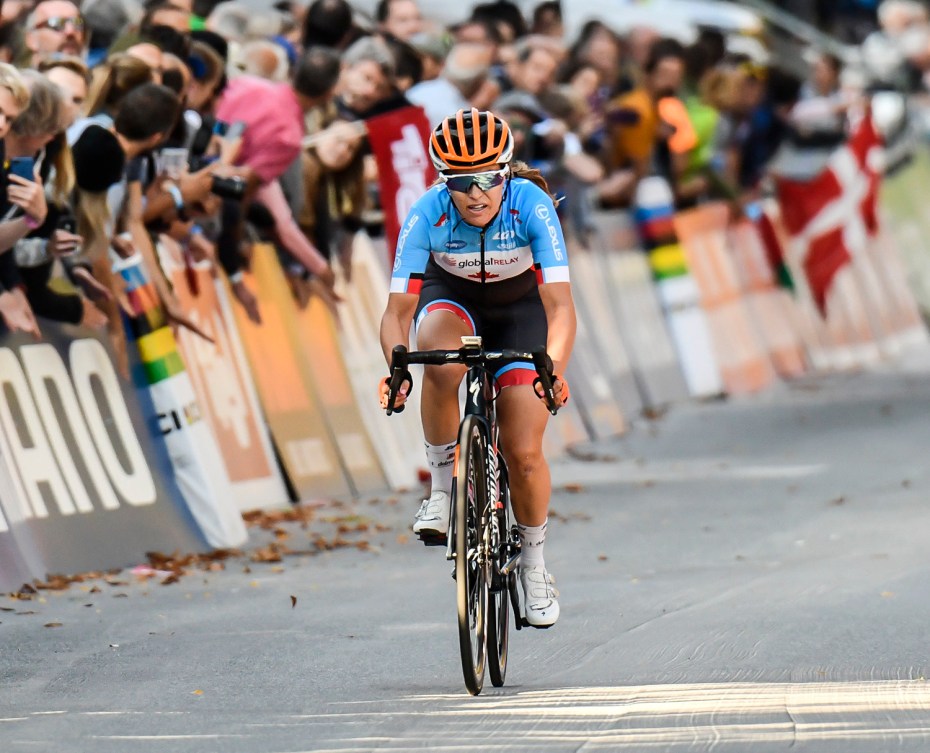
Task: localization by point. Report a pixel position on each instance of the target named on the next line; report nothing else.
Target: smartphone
(235, 130)
(68, 224)
(24, 167)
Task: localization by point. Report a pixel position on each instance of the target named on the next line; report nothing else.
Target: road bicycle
(482, 540)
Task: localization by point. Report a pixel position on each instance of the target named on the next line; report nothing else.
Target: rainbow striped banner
(148, 323)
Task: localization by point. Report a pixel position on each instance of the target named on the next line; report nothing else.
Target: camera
(228, 188)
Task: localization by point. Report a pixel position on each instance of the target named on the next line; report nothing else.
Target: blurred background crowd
(199, 126)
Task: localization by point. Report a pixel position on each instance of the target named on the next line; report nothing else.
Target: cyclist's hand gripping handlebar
(399, 374)
(543, 383)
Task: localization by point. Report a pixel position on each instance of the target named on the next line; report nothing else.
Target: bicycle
(482, 539)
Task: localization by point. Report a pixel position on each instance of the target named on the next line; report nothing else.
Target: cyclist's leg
(439, 327)
(441, 322)
(522, 418)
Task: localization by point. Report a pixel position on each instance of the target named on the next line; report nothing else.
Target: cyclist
(482, 253)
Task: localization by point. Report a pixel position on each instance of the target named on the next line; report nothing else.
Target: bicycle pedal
(433, 539)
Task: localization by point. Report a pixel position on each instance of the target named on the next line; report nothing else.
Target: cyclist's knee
(443, 378)
(525, 459)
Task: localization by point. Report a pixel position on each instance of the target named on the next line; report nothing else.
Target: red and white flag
(399, 141)
(834, 216)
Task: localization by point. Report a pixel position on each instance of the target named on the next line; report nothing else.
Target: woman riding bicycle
(482, 253)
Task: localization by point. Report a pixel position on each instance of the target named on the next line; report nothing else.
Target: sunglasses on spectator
(462, 182)
(60, 23)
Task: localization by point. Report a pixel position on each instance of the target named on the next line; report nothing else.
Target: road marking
(677, 471)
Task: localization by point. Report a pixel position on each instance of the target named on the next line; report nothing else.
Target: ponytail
(519, 169)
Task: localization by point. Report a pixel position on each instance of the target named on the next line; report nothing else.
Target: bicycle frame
(479, 402)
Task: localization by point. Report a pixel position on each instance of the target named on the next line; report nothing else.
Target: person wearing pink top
(273, 116)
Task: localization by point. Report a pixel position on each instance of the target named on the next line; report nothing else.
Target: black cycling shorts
(507, 315)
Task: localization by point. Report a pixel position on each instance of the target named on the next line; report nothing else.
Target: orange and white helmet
(471, 139)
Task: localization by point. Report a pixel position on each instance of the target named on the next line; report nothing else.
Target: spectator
(29, 198)
(38, 133)
(54, 27)
(636, 126)
(432, 49)
(533, 69)
(464, 73)
(399, 18)
(105, 21)
(408, 64)
(366, 79)
(547, 20)
(111, 83)
(264, 59)
(71, 75)
(599, 47)
(506, 16)
(273, 115)
(168, 14)
(328, 23)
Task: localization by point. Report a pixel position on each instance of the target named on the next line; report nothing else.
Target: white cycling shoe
(432, 519)
(539, 597)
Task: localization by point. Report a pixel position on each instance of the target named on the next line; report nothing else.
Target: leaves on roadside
(293, 601)
(53, 624)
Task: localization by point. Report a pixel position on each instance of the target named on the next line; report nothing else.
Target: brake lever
(543, 364)
(399, 374)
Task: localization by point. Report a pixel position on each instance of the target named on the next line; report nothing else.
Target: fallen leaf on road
(573, 488)
(602, 557)
(197, 692)
(293, 601)
(52, 624)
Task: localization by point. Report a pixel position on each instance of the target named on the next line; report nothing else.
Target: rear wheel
(499, 594)
(471, 573)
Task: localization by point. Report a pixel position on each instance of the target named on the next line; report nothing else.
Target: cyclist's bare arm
(560, 316)
(395, 330)
(396, 321)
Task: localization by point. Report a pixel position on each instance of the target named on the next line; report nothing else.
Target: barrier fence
(95, 470)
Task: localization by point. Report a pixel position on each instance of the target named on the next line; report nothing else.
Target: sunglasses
(59, 23)
(485, 181)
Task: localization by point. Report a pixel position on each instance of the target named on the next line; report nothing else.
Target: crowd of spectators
(129, 127)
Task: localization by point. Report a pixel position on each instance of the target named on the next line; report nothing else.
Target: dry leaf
(171, 579)
(197, 692)
(52, 624)
(293, 601)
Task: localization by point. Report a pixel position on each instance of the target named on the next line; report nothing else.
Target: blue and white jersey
(525, 234)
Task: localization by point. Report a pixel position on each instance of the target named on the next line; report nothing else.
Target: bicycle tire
(498, 637)
(470, 572)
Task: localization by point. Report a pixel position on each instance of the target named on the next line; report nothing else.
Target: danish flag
(834, 216)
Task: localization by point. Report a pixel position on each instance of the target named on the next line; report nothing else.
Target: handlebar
(467, 355)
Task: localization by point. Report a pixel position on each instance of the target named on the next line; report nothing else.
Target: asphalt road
(750, 575)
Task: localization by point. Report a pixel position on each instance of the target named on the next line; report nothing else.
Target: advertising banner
(744, 364)
(677, 289)
(400, 143)
(285, 386)
(198, 466)
(328, 370)
(85, 477)
(223, 385)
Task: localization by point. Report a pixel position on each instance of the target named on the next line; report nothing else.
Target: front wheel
(471, 568)
(499, 596)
